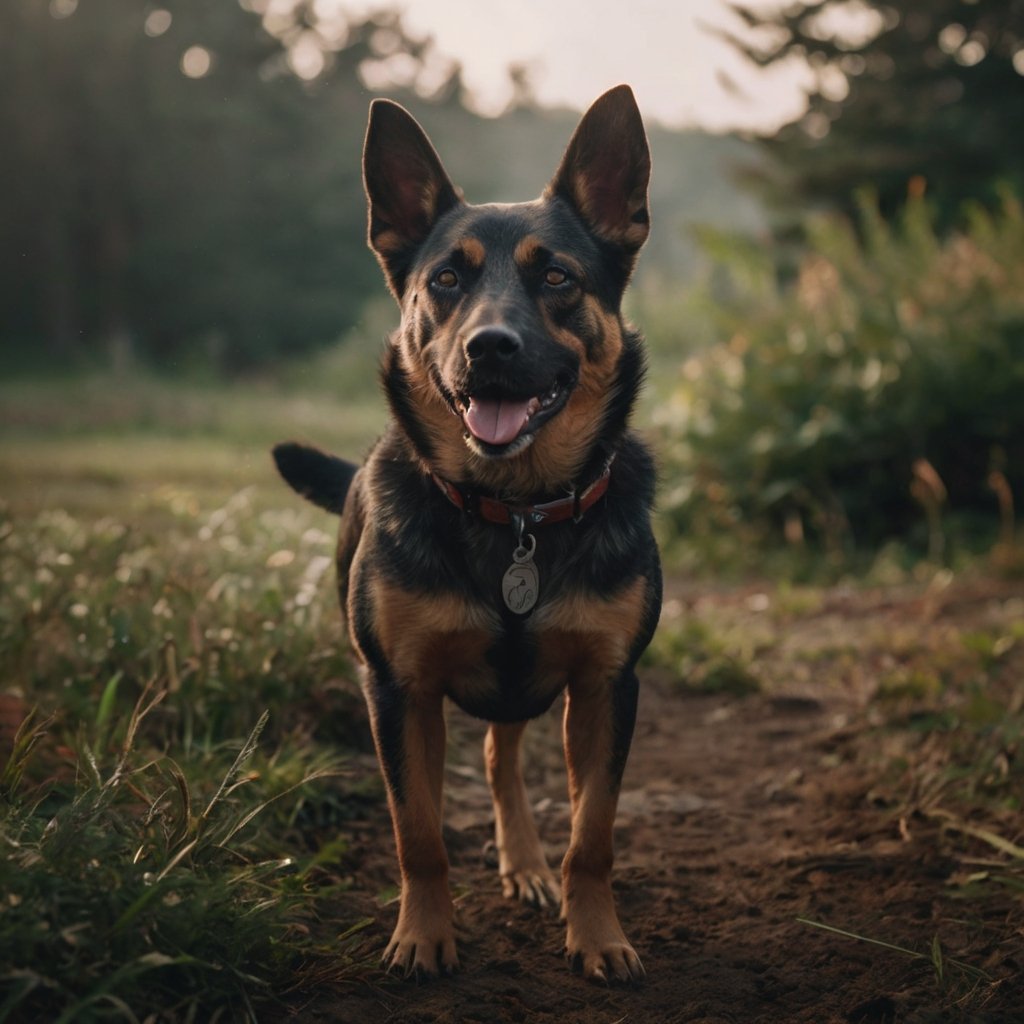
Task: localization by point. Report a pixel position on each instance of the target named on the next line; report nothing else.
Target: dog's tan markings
(446, 432)
(587, 635)
(472, 251)
(595, 941)
(525, 874)
(387, 242)
(603, 326)
(626, 223)
(442, 428)
(424, 938)
(425, 639)
(528, 249)
(559, 450)
(601, 340)
(586, 638)
(428, 199)
(430, 638)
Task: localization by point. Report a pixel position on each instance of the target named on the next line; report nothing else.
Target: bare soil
(738, 817)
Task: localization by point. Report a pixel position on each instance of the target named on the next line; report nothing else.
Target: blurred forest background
(834, 312)
(835, 318)
(179, 214)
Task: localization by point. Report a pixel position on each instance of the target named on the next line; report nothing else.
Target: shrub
(854, 403)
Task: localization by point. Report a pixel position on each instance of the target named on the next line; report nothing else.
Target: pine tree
(929, 99)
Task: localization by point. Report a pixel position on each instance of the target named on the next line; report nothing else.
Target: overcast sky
(576, 49)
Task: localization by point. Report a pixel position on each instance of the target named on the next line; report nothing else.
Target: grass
(167, 610)
(130, 890)
(169, 851)
(941, 964)
(701, 656)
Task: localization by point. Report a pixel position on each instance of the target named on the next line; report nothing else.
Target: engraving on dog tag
(520, 585)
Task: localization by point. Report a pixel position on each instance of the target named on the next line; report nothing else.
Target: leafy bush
(856, 402)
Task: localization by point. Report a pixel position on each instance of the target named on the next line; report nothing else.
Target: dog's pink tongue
(496, 421)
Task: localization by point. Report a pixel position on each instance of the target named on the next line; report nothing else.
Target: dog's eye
(555, 276)
(446, 278)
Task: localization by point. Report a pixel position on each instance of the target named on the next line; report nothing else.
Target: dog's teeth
(549, 397)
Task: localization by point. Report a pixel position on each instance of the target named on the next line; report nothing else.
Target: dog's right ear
(407, 188)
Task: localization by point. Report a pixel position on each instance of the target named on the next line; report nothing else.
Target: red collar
(573, 507)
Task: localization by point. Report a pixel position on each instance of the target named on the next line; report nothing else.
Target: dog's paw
(536, 888)
(606, 963)
(597, 948)
(421, 954)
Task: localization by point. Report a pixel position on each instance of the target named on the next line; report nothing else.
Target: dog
(495, 547)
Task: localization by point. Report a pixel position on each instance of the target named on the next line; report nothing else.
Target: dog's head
(512, 362)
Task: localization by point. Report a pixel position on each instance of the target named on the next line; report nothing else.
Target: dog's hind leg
(525, 874)
(409, 732)
(599, 719)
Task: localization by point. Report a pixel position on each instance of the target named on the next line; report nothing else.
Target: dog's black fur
(512, 377)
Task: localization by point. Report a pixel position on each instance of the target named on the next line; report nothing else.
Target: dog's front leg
(598, 728)
(525, 874)
(409, 732)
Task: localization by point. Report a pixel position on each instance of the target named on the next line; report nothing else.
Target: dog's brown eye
(447, 278)
(555, 276)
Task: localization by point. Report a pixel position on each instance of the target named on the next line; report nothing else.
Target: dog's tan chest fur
(450, 644)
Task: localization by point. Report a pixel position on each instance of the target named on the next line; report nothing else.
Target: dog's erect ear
(606, 168)
(406, 186)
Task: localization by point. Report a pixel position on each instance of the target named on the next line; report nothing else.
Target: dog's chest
(504, 667)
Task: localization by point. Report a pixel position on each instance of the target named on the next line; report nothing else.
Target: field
(821, 819)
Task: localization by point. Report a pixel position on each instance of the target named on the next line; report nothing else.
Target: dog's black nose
(493, 344)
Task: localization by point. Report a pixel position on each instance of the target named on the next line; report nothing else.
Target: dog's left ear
(606, 169)
(407, 188)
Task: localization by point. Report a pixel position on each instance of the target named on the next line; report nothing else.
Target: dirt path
(738, 816)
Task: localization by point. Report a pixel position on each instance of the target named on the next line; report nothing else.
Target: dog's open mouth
(501, 425)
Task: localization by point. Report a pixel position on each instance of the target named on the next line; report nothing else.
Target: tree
(172, 188)
(924, 95)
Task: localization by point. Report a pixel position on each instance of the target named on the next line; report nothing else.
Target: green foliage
(197, 221)
(701, 659)
(924, 94)
(965, 974)
(242, 617)
(947, 742)
(130, 891)
(166, 846)
(864, 400)
(217, 223)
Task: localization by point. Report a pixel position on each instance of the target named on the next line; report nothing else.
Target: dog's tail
(323, 479)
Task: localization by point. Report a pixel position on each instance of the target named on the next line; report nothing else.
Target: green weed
(699, 657)
(168, 849)
(943, 966)
(131, 890)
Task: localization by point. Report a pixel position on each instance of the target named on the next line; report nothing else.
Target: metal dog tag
(520, 585)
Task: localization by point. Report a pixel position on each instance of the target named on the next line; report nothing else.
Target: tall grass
(194, 709)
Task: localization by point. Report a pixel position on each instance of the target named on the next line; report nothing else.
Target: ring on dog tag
(521, 583)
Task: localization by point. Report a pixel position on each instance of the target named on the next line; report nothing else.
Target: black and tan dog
(496, 546)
